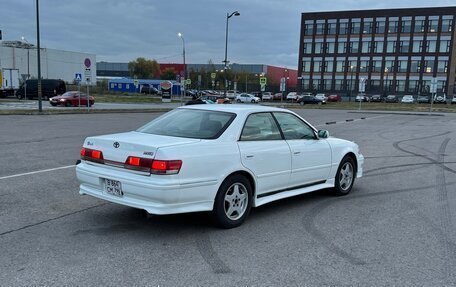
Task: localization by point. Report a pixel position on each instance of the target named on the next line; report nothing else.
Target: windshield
(190, 123)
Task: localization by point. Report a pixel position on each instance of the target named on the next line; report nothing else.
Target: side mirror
(323, 134)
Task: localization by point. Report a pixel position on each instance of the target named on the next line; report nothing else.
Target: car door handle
(296, 152)
(249, 156)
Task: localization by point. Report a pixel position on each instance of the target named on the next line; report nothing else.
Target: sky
(266, 32)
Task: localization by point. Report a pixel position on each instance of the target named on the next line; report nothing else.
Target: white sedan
(220, 158)
(247, 98)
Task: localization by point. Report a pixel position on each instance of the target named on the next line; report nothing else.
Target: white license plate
(113, 187)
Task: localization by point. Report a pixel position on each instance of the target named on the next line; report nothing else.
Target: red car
(334, 98)
(71, 99)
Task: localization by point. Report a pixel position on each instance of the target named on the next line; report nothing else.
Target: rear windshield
(190, 123)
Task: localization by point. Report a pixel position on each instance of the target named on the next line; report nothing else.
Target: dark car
(334, 98)
(376, 98)
(49, 88)
(148, 89)
(278, 96)
(423, 100)
(304, 100)
(391, 99)
(71, 99)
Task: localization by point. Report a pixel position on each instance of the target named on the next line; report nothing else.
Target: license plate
(113, 187)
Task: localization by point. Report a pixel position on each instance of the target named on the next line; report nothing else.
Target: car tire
(345, 176)
(233, 202)
(238, 101)
(253, 101)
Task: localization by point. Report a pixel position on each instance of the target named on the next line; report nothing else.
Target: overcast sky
(266, 32)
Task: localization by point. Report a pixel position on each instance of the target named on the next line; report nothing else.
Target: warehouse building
(392, 51)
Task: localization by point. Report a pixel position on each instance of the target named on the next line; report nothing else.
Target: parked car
(247, 98)
(423, 100)
(148, 89)
(391, 99)
(231, 94)
(334, 98)
(408, 99)
(49, 88)
(376, 98)
(453, 100)
(173, 164)
(304, 100)
(292, 96)
(440, 98)
(321, 97)
(71, 99)
(267, 96)
(362, 98)
(277, 96)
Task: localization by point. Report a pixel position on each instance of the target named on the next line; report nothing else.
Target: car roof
(235, 108)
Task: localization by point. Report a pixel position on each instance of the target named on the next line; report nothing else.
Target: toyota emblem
(116, 144)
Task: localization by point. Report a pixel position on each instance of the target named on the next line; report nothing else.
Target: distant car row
(406, 99)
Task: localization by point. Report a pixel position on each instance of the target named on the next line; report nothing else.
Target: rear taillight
(153, 166)
(92, 155)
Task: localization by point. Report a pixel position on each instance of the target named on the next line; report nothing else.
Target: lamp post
(351, 80)
(40, 107)
(28, 66)
(228, 16)
(386, 81)
(185, 67)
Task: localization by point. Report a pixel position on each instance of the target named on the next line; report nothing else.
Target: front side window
(260, 127)
(294, 128)
(189, 123)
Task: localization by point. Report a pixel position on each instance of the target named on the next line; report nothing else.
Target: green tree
(144, 69)
(168, 74)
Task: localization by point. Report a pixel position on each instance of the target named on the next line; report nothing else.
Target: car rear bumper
(164, 195)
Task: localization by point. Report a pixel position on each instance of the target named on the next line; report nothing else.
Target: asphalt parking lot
(396, 228)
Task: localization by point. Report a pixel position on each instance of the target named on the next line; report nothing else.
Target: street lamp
(40, 107)
(228, 16)
(386, 81)
(183, 54)
(351, 80)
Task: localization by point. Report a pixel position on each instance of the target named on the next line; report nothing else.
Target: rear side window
(190, 123)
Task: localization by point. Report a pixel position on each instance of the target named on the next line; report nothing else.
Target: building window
(317, 66)
(391, 47)
(306, 84)
(367, 27)
(429, 66)
(343, 28)
(442, 66)
(329, 66)
(433, 25)
(354, 46)
(366, 47)
(406, 26)
(316, 84)
(318, 48)
(447, 25)
(330, 47)
(392, 26)
(444, 46)
(417, 46)
(402, 66)
(306, 66)
(342, 47)
(339, 85)
(340, 66)
(413, 86)
(419, 26)
(380, 27)
(355, 27)
(307, 47)
(378, 47)
(400, 85)
(415, 66)
(431, 46)
(376, 66)
(389, 65)
(308, 29)
(331, 28)
(404, 46)
(327, 85)
(364, 66)
(320, 28)
(375, 84)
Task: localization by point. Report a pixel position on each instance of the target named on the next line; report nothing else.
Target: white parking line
(35, 172)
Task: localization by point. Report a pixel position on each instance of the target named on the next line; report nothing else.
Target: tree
(143, 69)
(168, 74)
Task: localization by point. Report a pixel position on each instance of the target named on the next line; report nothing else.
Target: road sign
(136, 82)
(362, 85)
(282, 84)
(87, 62)
(189, 82)
(88, 75)
(213, 75)
(78, 77)
(263, 88)
(263, 80)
